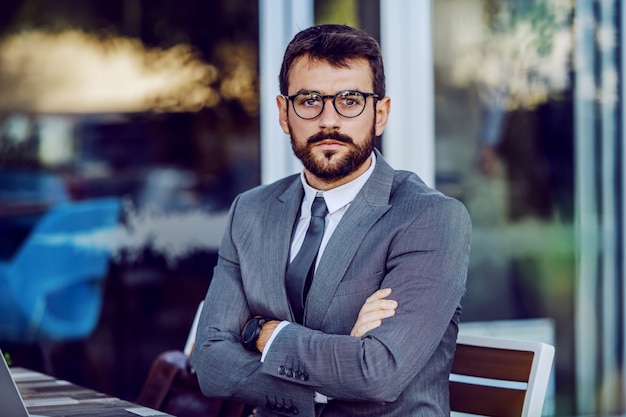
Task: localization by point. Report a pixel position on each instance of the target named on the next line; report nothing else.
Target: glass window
(505, 147)
(153, 102)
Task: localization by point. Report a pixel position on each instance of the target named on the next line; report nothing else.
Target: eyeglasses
(309, 105)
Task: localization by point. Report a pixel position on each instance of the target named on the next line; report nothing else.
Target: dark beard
(333, 167)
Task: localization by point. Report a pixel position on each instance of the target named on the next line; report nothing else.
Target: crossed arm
(376, 308)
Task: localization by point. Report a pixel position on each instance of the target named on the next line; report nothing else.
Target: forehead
(321, 76)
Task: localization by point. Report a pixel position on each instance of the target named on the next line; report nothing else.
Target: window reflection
(157, 105)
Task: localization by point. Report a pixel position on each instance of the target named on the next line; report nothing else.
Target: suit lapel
(279, 222)
(369, 205)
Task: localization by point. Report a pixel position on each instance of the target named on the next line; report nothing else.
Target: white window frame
(409, 139)
(279, 21)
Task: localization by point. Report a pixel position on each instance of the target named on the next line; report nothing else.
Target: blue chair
(52, 289)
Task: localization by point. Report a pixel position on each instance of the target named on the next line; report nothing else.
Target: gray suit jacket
(397, 233)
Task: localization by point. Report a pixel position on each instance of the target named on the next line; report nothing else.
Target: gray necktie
(300, 271)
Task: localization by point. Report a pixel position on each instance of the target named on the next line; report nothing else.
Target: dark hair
(337, 45)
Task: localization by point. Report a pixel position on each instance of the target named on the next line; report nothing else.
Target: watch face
(249, 330)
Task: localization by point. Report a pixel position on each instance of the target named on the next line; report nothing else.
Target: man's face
(333, 149)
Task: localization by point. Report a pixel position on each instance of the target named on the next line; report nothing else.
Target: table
(48, 396)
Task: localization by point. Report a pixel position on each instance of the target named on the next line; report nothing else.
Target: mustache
(336, 136)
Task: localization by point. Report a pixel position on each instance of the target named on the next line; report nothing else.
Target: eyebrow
(303, 91)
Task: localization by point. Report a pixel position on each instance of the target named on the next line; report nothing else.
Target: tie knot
(319, 209)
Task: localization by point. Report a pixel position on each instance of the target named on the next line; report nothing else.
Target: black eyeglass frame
(325, 97)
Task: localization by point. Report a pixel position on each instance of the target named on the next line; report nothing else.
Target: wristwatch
(251, 332)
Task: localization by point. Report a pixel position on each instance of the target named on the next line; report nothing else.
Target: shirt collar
(337, 198)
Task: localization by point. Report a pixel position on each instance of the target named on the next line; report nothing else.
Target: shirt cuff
(321, 398)
(278, 328)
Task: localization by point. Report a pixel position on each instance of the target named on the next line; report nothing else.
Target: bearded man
(337, 291)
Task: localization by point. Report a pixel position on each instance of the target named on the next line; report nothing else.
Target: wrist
(251, 332)
(267, 331)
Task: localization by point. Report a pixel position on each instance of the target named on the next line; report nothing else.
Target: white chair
(191, 338)
(499, 377)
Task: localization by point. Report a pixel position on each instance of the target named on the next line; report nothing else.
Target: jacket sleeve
(224, 368)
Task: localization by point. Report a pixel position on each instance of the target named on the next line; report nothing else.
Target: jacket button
(281, 370)
(304, 376)
(290, 372)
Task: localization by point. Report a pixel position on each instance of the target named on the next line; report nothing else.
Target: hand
(266, 332)
(376, 308)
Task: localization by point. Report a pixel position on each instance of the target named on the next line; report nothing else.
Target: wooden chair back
(172, 385)
(498, 377)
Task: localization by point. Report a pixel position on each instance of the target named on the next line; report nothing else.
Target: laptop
(10, 399)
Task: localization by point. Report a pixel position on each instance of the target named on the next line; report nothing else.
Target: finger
(376, 315)
(375, 305)
(364, 328)
(370, 321)
(375, 308)
(377, 300)
(379, 294)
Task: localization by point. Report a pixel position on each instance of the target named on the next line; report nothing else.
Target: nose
(329, 119)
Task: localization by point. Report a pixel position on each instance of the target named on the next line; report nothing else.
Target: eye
(309, 100)
(350, 99)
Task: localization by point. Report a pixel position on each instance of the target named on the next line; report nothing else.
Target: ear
(282, 104)
(383, 106)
